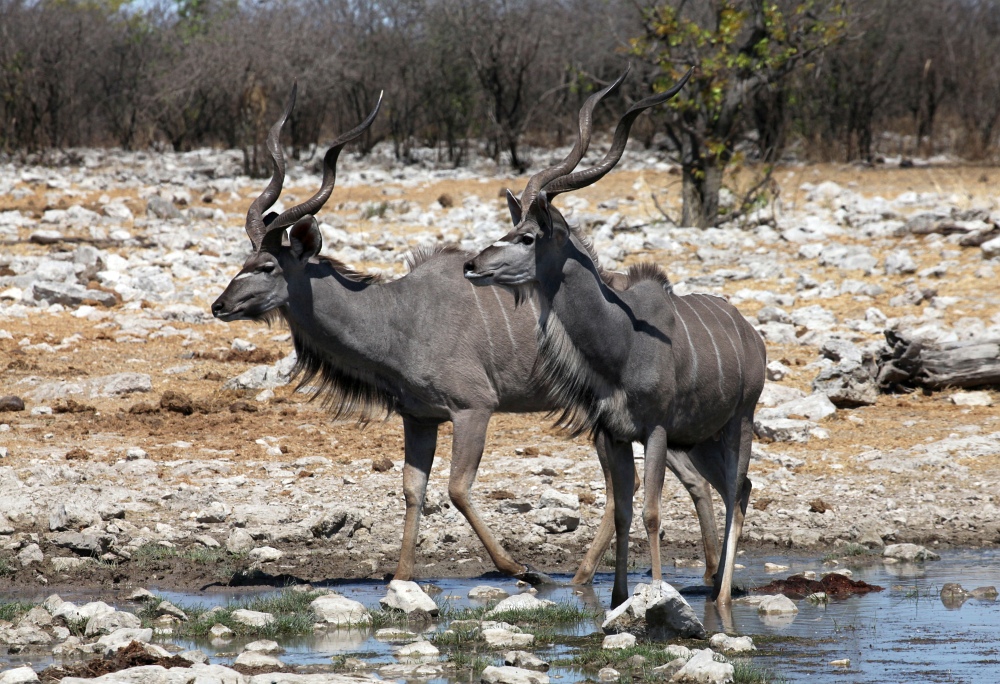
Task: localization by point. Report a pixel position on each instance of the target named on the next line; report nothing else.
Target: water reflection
(923, 627)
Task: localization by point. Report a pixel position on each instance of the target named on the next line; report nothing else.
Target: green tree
(741, 50)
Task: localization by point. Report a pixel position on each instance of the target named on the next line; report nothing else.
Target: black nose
(469, 267)
(217, 307)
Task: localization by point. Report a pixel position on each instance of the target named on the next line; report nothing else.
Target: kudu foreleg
(622, 478)
(420, 442)
(606, 529)
(656, 468)
(468, 442)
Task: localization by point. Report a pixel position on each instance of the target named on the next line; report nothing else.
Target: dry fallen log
(908, 364)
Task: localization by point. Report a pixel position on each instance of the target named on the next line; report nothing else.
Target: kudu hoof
(534, 577)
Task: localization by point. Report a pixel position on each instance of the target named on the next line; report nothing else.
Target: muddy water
(903, 634)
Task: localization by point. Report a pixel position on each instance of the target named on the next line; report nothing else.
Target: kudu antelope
(681, 374)
(429, 346)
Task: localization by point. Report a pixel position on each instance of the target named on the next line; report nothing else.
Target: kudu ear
(550, 226)
(305, 239)
(272, 241)
(515, 208)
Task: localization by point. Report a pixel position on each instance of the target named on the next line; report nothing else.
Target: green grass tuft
(559, 614)
(746, 672)
(12, 610)
(292, 616)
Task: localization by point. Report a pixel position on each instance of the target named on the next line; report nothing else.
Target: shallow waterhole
(904, 633)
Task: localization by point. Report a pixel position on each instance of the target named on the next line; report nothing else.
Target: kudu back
(681, 374)
(429, 346)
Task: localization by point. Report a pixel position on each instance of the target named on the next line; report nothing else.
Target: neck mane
(592, 401)
(345, 388)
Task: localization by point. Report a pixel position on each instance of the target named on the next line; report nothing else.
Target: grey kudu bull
(681, 374)
(429, 346)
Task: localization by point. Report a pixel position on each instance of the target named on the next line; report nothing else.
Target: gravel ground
(154, 438)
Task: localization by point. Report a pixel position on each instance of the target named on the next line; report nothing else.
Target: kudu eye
(267, 268)
(527, 239)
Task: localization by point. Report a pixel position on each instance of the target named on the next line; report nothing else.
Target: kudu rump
(429, 346)
(681, 374)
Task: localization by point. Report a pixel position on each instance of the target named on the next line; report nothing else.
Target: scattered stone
(776, 371)
(608, 674)
(656, 613)
(162, 208)
(30, 554)
(774, 567)
(265, 554)
(240, 541)
(341, 611)
(512, 675)
(255, 660)
(980, 398)
(167, 608)
(264, 646)
(252, 618)
(11, 403)
(554, 499)
(843, 662)
(776, 605)
(525, 660)
(408, 597)
(984, 593)
(106, 623)
(519, 602)
(18, 675)
(417, 650)
(396, 635)
(382, 464)
(220, 631)
(724, 642)
(499, 637)
(484, 592)
(557, 520)
(784, 429)
(142, 596)
(909, 553)
(620, 640)
(702, 667)
(120, 638)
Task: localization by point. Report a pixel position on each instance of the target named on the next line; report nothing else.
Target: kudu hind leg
(606, 529)
(420, 443)
(700, 490)
(468, 441)
(737, 493)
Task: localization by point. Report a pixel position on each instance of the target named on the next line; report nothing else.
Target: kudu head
(261, 286)
(537, 246)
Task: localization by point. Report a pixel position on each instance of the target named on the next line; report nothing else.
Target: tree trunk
(700, 192)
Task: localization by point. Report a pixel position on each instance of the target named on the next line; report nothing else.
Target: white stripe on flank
(691, 349)
(718, 357)
(482, 314)
(736, 325)
(531, 303)
(725, 329)
(241, 276)
(503, 310)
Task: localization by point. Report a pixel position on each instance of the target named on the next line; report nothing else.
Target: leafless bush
(911, 77)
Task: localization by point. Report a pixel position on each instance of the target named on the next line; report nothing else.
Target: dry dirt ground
(230, 422)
